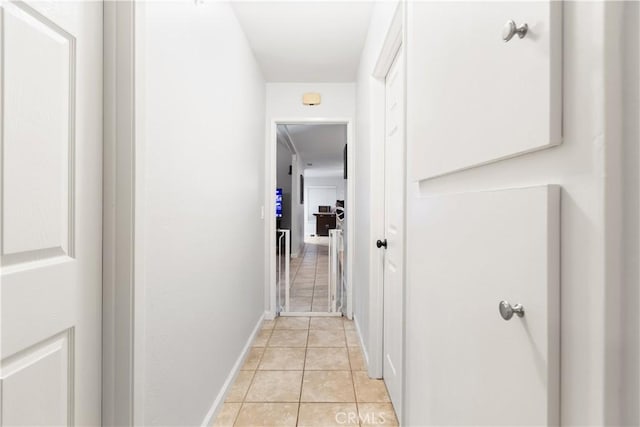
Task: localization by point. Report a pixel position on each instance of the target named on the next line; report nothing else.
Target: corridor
(305, 371)
(310, 277)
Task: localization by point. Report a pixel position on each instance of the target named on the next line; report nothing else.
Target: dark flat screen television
(278, 202)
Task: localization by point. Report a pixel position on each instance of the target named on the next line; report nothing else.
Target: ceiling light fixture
(311, 99)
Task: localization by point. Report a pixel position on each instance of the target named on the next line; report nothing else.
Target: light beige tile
(268, 324)
(377, 414)
(300, 308)
(292, 323)
(352, 338)
(356, 359)
(327, 414)
(253, 358)
(308, 285)
(275, 386)
(283, 359)
(267, 415)
(288, 338)
(327, 359)
(326, 338)
(262, 337)
(227, 415)
(299, 301)
(320, 304)
(305, 274)
(369, 390)
(333, 323)
(301, 292)
(327, 386)
(349, 325)
(240, 386)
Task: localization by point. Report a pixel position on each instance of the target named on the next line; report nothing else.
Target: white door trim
(269, 202)
(123, 289)
(392, 44)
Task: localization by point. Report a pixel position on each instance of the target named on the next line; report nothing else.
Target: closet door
(468, 364)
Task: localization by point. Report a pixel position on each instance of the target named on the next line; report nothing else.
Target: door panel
(475, 98)
(394, 233)
(51, 212)
(467, 253)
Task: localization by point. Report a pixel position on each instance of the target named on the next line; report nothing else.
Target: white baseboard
(219, 400)
(362, 346)
(269, 315)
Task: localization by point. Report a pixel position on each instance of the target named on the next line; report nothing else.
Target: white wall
(628, 220)
(335, 181)
(369, 126)
(201, 176)
(284, 102)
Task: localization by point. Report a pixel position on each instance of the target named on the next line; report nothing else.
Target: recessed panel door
(394, 176)
(51, 212)
(477, 262)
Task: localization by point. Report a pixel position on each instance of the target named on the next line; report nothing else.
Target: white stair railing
(283, 274)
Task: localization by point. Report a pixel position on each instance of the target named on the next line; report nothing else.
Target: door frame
(306, 205)
(123, 195)
(269, 202)
(393, 42)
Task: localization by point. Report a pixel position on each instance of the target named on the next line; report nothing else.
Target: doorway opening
(311, 218)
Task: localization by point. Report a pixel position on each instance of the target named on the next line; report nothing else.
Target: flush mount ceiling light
(311, 98)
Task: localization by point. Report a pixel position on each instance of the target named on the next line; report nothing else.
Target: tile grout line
(304, 368)
(353, 381)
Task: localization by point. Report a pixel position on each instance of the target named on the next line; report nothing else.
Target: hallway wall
(200, 169)
(284, 102)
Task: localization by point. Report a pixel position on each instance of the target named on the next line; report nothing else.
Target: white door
(318, 196)
(51, 212)
(394, 175)
(469, 365)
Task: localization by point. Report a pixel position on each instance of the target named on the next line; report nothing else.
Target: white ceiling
(320, 145)
(306, 41)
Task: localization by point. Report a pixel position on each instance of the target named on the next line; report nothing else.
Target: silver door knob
(507, 310)
(510, 29)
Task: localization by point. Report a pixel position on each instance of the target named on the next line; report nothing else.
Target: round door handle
(510, 29)
(381, 243)
(507, 310)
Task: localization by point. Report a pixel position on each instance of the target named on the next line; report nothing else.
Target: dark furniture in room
(325, 221)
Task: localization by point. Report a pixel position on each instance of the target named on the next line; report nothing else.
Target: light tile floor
(310, 278)
(305, 371)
